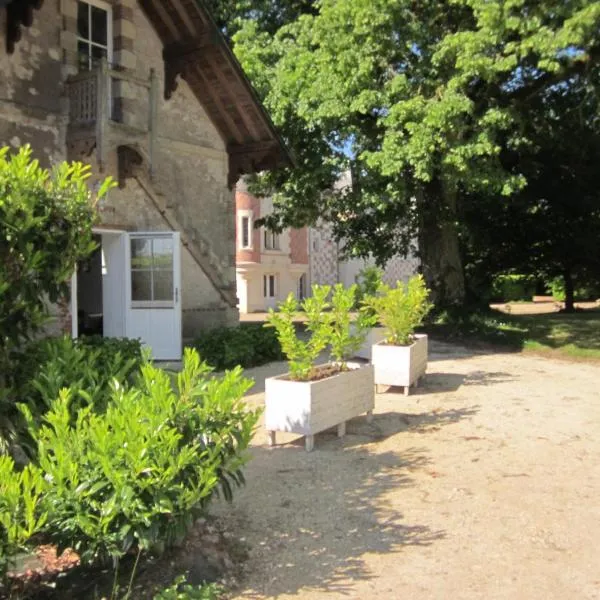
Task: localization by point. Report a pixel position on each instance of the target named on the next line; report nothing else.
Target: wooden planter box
(308, 407)
(400, 365)
(375, 335)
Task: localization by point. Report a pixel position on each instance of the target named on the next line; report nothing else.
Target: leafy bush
(142, 471)
(347, 335)
(583, 291)
(180, 590)
(401, 309)
(368, 282)
(511, 288)
(328, 322)
(87, 366)
(19, 516)
(248, 345)
(46, 220)
(302, 354)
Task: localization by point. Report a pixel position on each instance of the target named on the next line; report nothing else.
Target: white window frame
(105, 6)
(245, 214)
(266, 285)
(275, 241)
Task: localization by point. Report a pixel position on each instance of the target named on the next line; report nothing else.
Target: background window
(271, 240)
(269, 286)
(246, 232)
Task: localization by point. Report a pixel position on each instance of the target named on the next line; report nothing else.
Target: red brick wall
(299, 246)
(245, 201)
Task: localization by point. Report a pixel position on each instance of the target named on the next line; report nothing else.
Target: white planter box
(308, 407)
(375, 335)
(400, 365)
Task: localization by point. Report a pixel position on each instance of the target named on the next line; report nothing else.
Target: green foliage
(401, 309)
(302, 354)
(507, 288)
(139, 473)
(584, 290)
(248, 345)
(180, 590)
(368, 281)
(46, 220)
(347, 334)
(87, 366)
(19, 515)
(425, 103)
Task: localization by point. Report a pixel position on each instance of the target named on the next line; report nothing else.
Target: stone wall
(190, 163)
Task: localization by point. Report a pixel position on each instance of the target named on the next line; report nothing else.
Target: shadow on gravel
(312, 517)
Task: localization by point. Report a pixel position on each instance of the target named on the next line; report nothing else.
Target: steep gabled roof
(195, 49)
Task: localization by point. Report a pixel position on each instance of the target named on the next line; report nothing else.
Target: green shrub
(181, 590)
(512, 288)
(583, 291)
(302, 354)
(248, 345)
(46, 220)
(87, 366)
(19, 516)
(347, 335)
(139, 474)
(368, 282)
(401, 309)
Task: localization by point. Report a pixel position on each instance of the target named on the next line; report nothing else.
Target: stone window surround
(123, 40)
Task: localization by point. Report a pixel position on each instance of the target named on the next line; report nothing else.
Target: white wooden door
(153, 292)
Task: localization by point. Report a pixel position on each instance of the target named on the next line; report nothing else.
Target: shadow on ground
(310, 518)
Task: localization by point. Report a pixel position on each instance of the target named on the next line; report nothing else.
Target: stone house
(149, 92)
(269, 266)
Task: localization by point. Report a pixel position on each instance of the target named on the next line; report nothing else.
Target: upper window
(271, 240)
(94, 37)
(246, 232)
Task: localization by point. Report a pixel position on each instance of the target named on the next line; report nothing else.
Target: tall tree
(418, 99)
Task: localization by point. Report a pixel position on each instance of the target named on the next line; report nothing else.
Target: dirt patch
(483, 484)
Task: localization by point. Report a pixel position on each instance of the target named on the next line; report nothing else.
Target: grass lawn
(575, 335)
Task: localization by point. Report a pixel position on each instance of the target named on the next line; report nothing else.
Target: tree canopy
(422, 101)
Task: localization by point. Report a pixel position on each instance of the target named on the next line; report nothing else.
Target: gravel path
(483, 484)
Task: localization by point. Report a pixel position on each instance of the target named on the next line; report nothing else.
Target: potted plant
(401, 358)
(311, 398)
(369, 281)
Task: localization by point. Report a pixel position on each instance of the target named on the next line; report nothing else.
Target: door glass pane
(141, 286)
(83, 29)
(99, 20)
(141, 253)
(163, 253)
(272, 286)
(163, 285)
(265, 285)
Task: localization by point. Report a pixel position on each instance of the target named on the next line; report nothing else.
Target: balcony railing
(92, 102)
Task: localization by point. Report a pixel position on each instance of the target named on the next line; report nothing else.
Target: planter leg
(369, 416)
(309, 443)
(341, 429)
(406, 390)
(272, 438)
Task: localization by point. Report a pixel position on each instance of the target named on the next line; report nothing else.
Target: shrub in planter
(402, 357)
(137, 475)
(19, 515)
(312, 398)
(368, 281)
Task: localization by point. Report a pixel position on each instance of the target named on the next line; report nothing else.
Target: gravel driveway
(483, 484)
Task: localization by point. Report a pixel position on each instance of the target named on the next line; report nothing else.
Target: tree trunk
(569, 291)
(438, 246)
